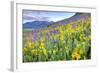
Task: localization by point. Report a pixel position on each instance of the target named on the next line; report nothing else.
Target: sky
(31, 15)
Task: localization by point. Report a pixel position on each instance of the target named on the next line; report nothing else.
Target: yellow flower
(33, 51)
(42, 45)
(61, 37)
(44, 51)
(62, 32)
(73, 31)
(42, 39)
(67, 31)
(30, 44)
(69, 27)
(57, 35)
(76, 56)
(25, 49)
(78, 29)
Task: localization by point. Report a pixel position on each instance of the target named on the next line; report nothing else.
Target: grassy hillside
(70, 41)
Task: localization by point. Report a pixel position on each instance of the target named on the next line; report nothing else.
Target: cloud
(28, 17)
(35, 18)
(42, 18)
(31, 15)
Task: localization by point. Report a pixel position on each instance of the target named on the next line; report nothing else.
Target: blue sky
(30, 15)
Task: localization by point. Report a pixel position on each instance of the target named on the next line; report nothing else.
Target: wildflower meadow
(65, 42)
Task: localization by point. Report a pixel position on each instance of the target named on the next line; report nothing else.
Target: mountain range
(37, 24)
(43, 24)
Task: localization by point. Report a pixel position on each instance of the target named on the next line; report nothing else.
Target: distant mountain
(43, 24)
(37, 24)
(77, 16)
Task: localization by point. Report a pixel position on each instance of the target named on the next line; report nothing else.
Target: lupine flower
(35, 36)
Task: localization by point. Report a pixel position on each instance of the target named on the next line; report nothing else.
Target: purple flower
(56, 32)
(35, 36)
(47, 36)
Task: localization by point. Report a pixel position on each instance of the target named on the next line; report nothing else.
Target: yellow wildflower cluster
(41, 45)
(30, 45)
(76, 56)
(77, 53)
(70, 41)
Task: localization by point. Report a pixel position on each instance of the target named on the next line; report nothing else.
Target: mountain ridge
(43, 24)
